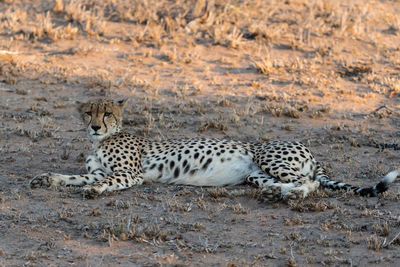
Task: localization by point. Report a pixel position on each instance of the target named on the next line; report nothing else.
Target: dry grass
(321, 72)
(310, 205)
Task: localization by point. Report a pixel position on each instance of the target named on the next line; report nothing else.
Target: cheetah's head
(103, 118)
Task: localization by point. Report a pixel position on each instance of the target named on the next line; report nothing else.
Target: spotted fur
(121, 160)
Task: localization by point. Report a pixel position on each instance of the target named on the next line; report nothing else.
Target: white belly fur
(217, 173)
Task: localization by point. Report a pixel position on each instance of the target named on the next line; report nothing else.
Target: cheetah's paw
(271, 193)
(90, 192)
(44, 180)
(295, 193)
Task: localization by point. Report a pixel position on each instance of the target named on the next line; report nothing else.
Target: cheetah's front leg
(94, 167)
(118, 180)
(56, 179)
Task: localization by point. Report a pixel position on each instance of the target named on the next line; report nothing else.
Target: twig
(381, 107)
(8, 52)
(291, 250)
(388, 244)
(9, 90)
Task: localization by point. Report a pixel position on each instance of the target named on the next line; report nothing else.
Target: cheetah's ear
(122, 103)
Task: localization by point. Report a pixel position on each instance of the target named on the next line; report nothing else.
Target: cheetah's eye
(107, 113)
(89, 113)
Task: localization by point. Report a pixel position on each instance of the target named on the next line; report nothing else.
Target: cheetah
(120, 160)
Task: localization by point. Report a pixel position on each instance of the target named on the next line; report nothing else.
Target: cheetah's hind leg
(301, 190)
(271, 188)
(274, 189)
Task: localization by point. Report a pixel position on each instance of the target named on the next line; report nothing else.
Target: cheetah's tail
(382, 186)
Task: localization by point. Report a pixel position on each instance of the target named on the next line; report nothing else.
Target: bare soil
(322, 72)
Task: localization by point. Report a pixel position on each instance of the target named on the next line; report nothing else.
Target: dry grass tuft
(264, 65)
(218, 192)
(238, 209)
(354, 70)
(218, 124)
(133, 228)
(375, 243)
(292, 113)
(311, 205)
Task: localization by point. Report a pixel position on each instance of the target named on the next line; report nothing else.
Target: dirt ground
(322, 72)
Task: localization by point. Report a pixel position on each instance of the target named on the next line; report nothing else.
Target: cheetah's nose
(96, 127)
